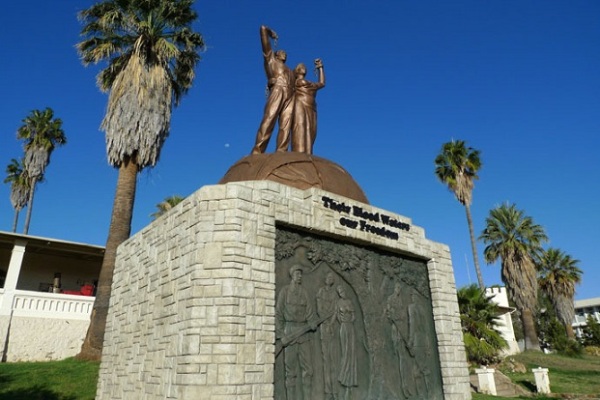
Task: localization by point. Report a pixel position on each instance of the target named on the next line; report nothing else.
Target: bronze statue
(280, 103)
(304, 125)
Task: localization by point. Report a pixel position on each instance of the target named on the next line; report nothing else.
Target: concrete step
(504, 386)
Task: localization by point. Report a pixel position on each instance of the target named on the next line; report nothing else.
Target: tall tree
(456, 166)
(151, 52)
(166, 205)
(558, 274)
(42, 133)
(515, 240)
(19, 188)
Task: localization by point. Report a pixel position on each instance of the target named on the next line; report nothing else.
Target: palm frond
(480, 323)
(558, 274)
(41, 133)
(514, 239)
(19, 184)
(457, 166)
(165, 205)
(151, 51)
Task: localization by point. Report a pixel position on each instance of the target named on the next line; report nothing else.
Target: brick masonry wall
(192, 312)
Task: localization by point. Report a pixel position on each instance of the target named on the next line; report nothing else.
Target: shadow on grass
(527, 385)
(33, 393)
(4, 380)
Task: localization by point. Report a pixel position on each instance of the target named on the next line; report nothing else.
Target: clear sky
(518, 80)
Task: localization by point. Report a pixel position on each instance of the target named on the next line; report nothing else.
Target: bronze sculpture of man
(280, 102)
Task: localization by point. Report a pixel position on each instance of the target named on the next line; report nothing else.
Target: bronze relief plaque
(352, 322)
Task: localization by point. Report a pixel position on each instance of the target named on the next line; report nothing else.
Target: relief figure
(418, 346)
(295, 318)
(327, 300)
(348, 375)
(398, 317)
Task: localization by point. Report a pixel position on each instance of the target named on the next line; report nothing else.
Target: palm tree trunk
(120, 228)
(570, 332)
(29, 206)
(15, 221)
(531, 338)
(474, 248)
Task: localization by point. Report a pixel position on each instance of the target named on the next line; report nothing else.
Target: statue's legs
(273, 108)
(328, 348)
(291, 370)
(285, 124)
(305, 362)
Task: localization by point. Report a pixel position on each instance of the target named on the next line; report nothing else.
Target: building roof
(593, 302)
(42, 245)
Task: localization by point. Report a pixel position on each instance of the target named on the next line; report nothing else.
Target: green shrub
(559, 342)
(592, 350)
(479, 351)
(591, 332)
(478, 315)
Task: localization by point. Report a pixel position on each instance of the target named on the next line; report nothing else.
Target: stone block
(230, 374)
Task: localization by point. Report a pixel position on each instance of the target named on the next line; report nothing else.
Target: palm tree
(19, 188)
(557, 276)
(480, 323)
(456, 166)
(515, 240)
(166, 205)
(151, 52)
(41, 133)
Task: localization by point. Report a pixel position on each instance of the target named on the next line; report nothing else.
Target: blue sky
(518, 80)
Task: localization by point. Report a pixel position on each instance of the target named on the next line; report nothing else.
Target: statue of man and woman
(291, 101)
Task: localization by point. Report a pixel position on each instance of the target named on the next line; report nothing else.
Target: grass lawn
(570, 378)
(568, 375)
(54, 380)
(477, 396)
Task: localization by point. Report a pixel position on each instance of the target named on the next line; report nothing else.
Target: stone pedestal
(487, 383)
(192, 313)
(542, 381)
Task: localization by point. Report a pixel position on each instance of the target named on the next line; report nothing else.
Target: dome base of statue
(299, 170)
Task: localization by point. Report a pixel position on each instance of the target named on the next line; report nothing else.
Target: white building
(505, 326)
(46, 296)
(583, 309)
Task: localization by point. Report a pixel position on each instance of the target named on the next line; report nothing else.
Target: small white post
(487, 383)
(542, 381)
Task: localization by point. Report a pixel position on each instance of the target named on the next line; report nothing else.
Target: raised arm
(320, 72)
(265, 34)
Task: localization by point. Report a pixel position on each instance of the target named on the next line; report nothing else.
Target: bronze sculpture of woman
(304, 125)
